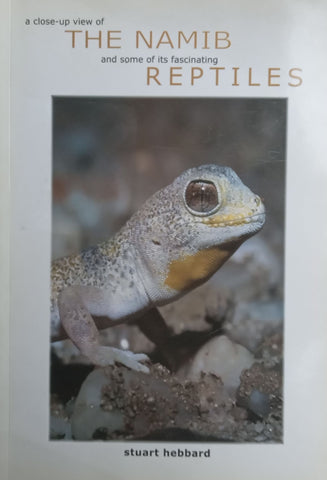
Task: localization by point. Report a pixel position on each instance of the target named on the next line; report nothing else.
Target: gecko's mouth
(235, 220)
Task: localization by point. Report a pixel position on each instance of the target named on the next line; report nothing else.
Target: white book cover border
(4, 236)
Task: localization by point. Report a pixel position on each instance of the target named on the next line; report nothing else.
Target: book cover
(167, 160)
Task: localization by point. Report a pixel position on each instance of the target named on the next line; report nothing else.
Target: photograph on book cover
(214, 365)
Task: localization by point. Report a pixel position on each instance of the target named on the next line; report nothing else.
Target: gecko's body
(179, 238)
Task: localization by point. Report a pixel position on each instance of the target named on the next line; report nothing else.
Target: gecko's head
(195, 224)
(215, 197)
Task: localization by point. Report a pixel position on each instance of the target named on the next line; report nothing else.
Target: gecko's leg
(76, 305)
(153, 325)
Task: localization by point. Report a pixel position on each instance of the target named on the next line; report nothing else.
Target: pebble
(222, 357)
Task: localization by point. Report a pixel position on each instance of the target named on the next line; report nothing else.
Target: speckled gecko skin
(177, 240)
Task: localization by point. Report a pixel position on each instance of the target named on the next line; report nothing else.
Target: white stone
(221, 357)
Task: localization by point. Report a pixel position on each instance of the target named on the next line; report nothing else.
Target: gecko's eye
(201, 196)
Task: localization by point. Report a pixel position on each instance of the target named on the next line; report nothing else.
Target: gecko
(175, 242)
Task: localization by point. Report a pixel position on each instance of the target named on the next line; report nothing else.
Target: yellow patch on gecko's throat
(185, 272)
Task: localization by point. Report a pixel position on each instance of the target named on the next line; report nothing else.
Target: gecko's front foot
(104, 356)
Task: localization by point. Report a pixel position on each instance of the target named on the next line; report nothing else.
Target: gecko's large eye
(201, 196)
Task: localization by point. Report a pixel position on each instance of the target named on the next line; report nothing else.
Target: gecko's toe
(141, 357)
(139, 367)
(133, 361)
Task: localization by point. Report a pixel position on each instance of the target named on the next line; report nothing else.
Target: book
(109, 104)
